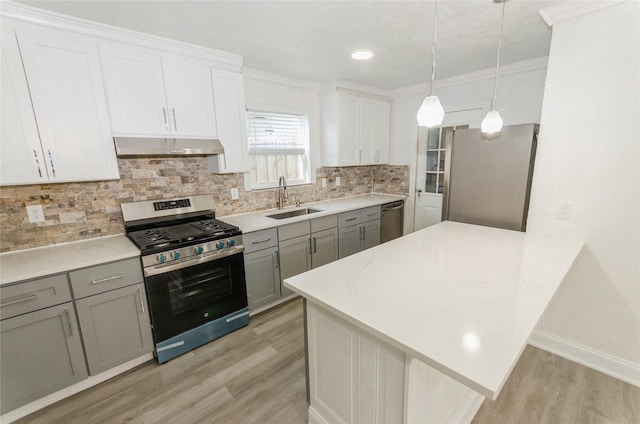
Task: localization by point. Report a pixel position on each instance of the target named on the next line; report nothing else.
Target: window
(278, 145)
(437, 141)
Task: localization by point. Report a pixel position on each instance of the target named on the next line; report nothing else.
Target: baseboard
(314, 417)
(599, 361)
(80, 386)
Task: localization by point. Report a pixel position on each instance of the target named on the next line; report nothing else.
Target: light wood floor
(257, 375)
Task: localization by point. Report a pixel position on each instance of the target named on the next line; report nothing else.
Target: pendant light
(431, 112)
(492, 123)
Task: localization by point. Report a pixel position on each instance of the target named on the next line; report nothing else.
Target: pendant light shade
(492, 123)
(431, 112)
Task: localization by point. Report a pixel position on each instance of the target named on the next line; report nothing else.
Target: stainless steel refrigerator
(488, 182)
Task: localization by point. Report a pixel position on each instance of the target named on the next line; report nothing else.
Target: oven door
(185, 298)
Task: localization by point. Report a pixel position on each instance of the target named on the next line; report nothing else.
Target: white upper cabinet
(151, 93)
(355, 129)
(228, 89)
(64, 80)
(21, 158)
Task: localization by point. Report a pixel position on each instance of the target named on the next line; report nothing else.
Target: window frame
(251, 178)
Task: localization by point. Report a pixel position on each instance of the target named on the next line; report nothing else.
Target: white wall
(276, 93)
(589, 155)
(520, 92)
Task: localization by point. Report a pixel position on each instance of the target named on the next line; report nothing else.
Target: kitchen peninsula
(423, 328)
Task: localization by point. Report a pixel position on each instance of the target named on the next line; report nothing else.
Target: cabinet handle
(35, 154)
(276, 259)
(66, 318)
(20, 300)
(359, 233)
(104, 280)
(53, 168)
(175, 123)
(351, 219)
(364, 232)
(141, 302)
(261, 240)
(378, 155)
(359, 155)
(164, 113)
(310, 249)
(315, 245)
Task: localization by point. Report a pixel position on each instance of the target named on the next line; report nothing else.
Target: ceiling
(311, 40)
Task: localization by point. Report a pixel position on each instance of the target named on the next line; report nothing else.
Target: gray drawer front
(348, 219)
(33, 295)
(290, 231)
(99, 279)
(370, 213)
(324, 223)
(258, 240)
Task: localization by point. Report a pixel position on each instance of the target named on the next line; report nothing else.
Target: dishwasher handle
(393, 206)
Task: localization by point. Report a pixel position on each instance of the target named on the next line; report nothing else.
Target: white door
(135, 90)
(67, 91)
(190, 98)
(431, 164)
(21, 158)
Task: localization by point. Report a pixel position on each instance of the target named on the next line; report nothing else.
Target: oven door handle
(162, 269)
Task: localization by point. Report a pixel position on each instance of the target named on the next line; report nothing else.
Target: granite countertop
(38, 262)
(462, 298)
(259, 221)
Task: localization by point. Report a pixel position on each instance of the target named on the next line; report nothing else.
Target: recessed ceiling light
(362, 54)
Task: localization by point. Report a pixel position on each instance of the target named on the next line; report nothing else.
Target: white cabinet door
(135, 90)
(65, 80)
(21, 159)
(190, 98)
(231, 119)
(380, 131)
(348, 154)
(365, 134)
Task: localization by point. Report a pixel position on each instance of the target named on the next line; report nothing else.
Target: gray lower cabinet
(41, 352)
(324, 246)
(295, 258)
(115, 327)
(262, 274)
(358, 230)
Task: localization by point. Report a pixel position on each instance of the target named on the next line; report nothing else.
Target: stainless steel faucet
(283, 195)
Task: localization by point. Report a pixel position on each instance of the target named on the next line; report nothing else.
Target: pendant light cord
(433, 45)
(495, 83)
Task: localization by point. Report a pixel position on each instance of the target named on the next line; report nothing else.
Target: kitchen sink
(290, 214)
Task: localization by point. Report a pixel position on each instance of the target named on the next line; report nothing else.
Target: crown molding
(23, 13)
(571, 9)
(259, 75)
(484, 74)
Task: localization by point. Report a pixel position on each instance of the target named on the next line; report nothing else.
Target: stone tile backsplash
(77, 211)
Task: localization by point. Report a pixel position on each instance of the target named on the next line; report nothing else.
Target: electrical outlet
(35, 213)
(337, 181)
(234, 194)
(324, 183)
(563, 210)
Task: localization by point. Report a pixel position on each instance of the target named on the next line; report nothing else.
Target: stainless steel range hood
(139, 146)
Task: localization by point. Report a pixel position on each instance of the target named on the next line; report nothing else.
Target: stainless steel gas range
(193, 268)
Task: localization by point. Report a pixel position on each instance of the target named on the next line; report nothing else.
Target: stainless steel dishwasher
(391, 222)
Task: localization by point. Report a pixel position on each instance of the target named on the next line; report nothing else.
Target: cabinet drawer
(99, 279)
(347, 219)
(324, 223)
(290, 231)
(258, 240)
(370, 214)
(33, 295)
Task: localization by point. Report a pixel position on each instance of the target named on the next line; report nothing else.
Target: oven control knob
(175, 255)
(219, 245)
(198, 250)
(231, 242)
(161, 258)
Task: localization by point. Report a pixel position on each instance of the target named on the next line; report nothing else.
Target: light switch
(563, 210)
